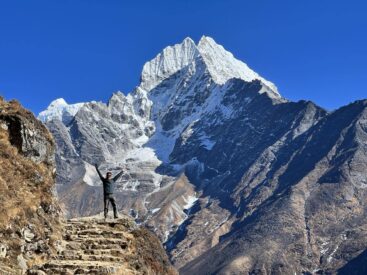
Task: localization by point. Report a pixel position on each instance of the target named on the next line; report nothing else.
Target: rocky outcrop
(95, 246)
(29, 212)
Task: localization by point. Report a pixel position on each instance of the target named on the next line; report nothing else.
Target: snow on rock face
(90, 176)
(59, 109)
(190, 201)
(223, 66)
(165, 64)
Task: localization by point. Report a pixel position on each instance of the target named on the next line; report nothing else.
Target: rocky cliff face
(230, 175)
(29, 213)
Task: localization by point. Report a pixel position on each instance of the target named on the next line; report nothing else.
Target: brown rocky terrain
(34, 236)
(29, 213)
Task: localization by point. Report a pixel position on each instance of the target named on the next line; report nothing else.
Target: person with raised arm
(109, 183)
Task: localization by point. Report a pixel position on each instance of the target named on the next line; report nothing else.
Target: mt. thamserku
(232, 177)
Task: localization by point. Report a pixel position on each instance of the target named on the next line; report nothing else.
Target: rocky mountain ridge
(212, 153)
(306, 209)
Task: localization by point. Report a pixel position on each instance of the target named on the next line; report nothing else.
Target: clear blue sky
(84, 50)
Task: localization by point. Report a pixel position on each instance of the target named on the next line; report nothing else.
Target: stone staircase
(94, 246)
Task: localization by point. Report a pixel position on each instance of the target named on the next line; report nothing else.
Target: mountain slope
(315, 218)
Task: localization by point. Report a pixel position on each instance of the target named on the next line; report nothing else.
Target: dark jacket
(109, 184)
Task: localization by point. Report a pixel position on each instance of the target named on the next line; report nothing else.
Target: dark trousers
(109, 198)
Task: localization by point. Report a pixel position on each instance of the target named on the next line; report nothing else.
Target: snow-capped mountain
(211, 151)
(152, 117)
(59, 109)
(220, 63)
(140, 130)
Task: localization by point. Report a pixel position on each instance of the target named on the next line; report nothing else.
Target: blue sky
(84, 50)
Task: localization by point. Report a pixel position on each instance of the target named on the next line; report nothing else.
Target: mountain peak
(188, 40)
(206, 40)
(58, 102)
(168, 62)
(60, 109)
(221, 64)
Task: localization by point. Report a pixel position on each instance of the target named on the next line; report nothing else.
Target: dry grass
(152, 255)
(25, 186)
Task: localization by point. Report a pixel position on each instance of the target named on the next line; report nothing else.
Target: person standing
(109, 183)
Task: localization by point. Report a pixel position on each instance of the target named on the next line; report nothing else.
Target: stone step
(92, 231)
(81, 238)
(49, 271)
(89, 246)
(85, 227)
(95, 232)
(83, 257)
(111, 252)
(82, 234)
(67, 271)
(80, 264)
(100, 223)
(101, 241)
